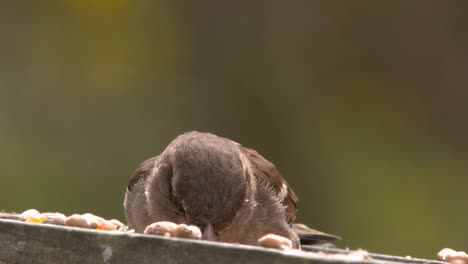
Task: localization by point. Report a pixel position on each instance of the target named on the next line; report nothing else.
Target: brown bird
(230, 192)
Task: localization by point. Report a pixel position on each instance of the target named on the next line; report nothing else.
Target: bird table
(22, 242)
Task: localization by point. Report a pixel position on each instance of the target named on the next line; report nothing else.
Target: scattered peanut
(55, 218)
(162, 228)
(169, 229)
(94, 220)
(185, 231)
(85, 220)
(117, 223)
(107, 225)
(38, 219)
(275, 241)
(33, 216)
(28, 213)
(77, 220)
(453, 257)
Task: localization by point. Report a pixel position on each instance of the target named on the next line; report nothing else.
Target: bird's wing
(142, 172)
(266, 173)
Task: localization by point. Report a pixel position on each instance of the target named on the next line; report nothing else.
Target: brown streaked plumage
(267, 173)
(230, 192)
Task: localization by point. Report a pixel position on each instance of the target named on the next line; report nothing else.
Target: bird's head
(209, 183)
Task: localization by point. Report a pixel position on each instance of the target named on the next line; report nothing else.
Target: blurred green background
(360, 104)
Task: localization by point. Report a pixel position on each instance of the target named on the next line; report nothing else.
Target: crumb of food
(162, 228)
(86, 220)
(169, 229)
(356, 255)
(359, 254)
(275, 241)
(185, 231)
(117, 223)
(90, 221)
(28, 213)
(119, 226)
(33, 216)
(58, 219)
(37, 219)
(94, 220)
(453, 257)
(77, 220)
(107, 226)
(124, 229)
(55, 218)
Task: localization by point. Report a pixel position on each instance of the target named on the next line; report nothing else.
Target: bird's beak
(209, 233)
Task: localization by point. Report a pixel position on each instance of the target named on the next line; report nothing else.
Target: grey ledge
(43, 243)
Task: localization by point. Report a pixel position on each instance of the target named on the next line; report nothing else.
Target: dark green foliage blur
(362, 105)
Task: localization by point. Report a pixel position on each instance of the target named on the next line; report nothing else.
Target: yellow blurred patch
(38, 219)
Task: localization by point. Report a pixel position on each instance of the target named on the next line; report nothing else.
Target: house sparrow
(230, 192)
